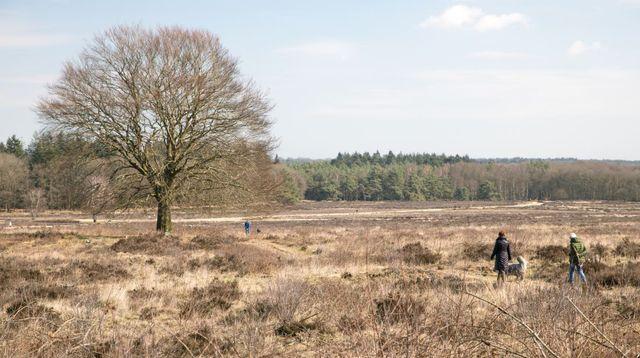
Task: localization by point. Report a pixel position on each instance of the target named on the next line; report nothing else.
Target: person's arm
(509, 251)
(495, 251)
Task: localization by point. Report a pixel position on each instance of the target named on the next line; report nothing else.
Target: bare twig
(518, 320)
(596, 328)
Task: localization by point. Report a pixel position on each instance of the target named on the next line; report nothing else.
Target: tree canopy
(171, 106)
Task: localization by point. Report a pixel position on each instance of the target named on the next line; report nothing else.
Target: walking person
(502, 254)
(577, 254)
(247, 228)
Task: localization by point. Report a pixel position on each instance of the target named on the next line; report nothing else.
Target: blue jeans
(574, 267)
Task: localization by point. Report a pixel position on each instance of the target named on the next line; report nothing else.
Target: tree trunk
(163, 222)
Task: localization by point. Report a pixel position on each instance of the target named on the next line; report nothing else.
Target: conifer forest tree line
(54, 171)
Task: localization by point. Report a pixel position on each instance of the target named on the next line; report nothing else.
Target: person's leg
(583, 278)
(500, 278)
(571, 269)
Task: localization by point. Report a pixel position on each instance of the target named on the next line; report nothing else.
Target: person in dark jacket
(502, 254)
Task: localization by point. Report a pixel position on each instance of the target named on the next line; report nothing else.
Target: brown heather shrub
(398, 306)
(148, 313)
(141, 296)
(175, 266)
(613, 276)
(292, 303)
(350, 323)
(551, 253)
(34, 289)
(212, 242)
(201, 342)
(152, 244)
(24, 309)
(245, 258)
(476, 251)
(91, 271)
(216, 295)
(598, 251)
(46, 235)
(237, 257)
(628, 248)
(629, 307)
(289, 298)
(255, 311)
(13, 270)
(416, 254)
(224, 263)
(293, 328)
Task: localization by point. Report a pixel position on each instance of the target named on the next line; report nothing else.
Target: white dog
(518, 269)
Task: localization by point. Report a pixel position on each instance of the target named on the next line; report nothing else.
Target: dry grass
(315, 283)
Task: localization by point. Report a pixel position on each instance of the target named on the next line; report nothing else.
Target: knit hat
(573, 236)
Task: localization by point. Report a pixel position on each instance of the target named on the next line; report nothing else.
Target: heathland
(321, 279)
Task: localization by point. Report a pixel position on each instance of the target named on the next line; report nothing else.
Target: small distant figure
(577, 255)
(247, 228)
(502, 254)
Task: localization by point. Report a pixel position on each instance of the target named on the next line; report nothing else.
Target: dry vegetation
(321, 280)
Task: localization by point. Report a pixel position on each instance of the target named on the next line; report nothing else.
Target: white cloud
(326, 49)
(455, 16)
(579, 47)
(498, 55)
(459, 16)
(498, 22)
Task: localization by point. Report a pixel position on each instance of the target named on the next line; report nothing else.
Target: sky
(488, 78)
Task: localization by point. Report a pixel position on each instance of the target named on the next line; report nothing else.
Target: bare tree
(170, 103)
(37, 201)
(14, 180)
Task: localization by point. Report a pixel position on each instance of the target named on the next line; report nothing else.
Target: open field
(321, 279)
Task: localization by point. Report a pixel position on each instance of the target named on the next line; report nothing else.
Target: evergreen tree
(348, 187)
(322, 187)
(374, 189)
(487, 191)
(461, 193)
(393, 184)
(14, 146)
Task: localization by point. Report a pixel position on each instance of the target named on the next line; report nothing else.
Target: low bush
(155, 244)
(397, 307)
(90, 271)
(24, 309)
(36, 289)
(198, 343)
(552, 253)
(476, 251)
(628, 248)
(416, 254)
(216, 295)
(612, 276)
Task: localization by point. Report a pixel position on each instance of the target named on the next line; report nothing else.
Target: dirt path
(278, 248)
(324, 216)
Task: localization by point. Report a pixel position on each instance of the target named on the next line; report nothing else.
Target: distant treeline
(440, 177)
(65, 172)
